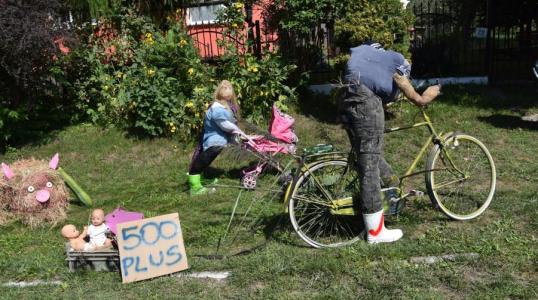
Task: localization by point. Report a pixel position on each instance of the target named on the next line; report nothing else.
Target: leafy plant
(385, 22)
(258, 82)
(141, 79)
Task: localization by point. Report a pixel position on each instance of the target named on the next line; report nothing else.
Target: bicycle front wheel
(312, 210)
(462, 179)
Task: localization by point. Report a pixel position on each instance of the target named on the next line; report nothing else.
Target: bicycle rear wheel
(311, 206)
(463, 177)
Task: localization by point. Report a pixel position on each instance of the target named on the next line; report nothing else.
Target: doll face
(70, 231)
(98, 217)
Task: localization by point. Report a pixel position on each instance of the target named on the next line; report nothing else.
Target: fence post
(258, 40)
(489, 49)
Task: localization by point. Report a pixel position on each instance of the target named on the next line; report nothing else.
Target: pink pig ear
(53, 164)
(7, 171)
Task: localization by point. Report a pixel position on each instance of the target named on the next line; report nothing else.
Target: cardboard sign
(151, 247)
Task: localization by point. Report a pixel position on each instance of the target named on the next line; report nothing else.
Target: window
(206, 14)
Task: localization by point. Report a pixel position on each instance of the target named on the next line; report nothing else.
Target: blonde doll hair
(225, 95)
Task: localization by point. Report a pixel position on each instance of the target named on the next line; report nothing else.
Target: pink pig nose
(42, 196)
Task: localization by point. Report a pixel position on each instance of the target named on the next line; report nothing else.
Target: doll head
(98, 217)
(33, 191)
(69, 231)
(225, 94)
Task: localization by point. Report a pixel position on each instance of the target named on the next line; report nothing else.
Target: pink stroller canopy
(281, 126)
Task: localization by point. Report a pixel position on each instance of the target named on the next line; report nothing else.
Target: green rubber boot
(196, 187)
(206, 181)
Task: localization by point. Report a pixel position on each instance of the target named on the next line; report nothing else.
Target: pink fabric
(53, 164)
(281, 126)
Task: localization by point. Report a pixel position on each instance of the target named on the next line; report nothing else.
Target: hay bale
(34, 180)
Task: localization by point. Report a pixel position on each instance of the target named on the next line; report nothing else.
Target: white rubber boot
(376, 231)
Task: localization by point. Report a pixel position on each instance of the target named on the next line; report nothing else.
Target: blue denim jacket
(374, 67)
(213, 134)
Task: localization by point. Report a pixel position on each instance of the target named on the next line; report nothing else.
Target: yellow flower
(105, 88)
(207, 105)
(173, 129)
(149, 39)
(190, 71)
(119, 74)
(261, 93)
(150, 72)
(239, 5)
(234, 25)
(254, 69)
(182, 43)
(189, 104)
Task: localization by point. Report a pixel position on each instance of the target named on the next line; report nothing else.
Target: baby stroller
(281, 139)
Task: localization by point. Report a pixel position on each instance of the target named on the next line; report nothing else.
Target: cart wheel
(248, 181)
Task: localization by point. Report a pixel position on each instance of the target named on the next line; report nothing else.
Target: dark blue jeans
(361, 113)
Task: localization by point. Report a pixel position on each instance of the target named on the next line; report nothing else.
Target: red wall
(205, 37)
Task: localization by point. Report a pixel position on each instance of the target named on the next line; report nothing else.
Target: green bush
(384, 21)
(10, 119)
(141, 79)
(134, 76)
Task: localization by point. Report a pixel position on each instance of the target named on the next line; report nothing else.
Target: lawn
(149, 176)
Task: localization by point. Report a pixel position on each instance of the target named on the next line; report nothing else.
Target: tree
(30, 37)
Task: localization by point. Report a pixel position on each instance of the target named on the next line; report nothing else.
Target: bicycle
(460, 178)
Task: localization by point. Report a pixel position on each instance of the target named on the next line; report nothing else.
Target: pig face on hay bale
(33, 191)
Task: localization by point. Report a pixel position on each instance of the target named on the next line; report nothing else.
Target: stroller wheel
(248, 181)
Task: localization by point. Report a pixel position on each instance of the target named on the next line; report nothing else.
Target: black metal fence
(442, 44)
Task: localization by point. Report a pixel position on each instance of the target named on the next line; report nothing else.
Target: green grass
(148, 176)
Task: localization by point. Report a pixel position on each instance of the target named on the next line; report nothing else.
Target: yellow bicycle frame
(342, 206)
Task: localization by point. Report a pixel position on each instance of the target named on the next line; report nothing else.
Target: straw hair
(16, 202)
(225, 95)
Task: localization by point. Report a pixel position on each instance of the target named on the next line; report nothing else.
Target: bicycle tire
(309, 209)
(461, 196)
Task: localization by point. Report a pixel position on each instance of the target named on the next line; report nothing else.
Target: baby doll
(76, 239)
(97, 230)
